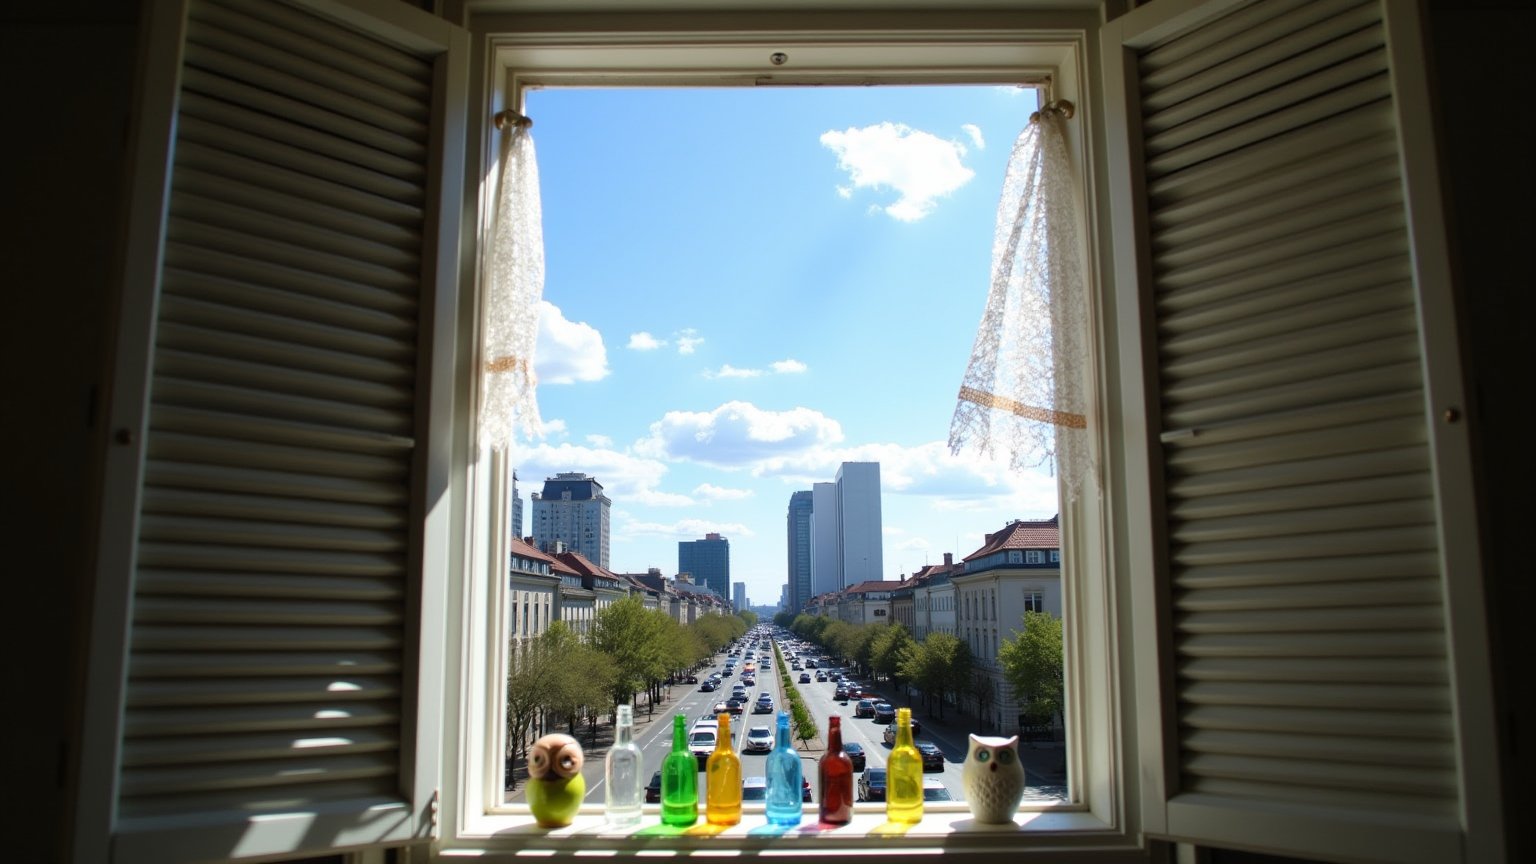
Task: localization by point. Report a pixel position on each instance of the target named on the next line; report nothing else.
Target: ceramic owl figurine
(994, 779)
(555, 784)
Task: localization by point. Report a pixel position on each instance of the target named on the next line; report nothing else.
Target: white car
(759, 740)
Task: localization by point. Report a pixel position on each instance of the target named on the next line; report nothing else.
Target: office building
(517, 510)
(739, 596)
(572, 511)
(825, 544)
(858, 522)
(798, 581)
(708, 562)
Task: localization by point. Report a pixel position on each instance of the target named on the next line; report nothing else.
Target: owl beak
(993, 766)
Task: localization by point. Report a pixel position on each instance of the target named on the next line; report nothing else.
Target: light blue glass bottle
(784, 778)
(621, 773)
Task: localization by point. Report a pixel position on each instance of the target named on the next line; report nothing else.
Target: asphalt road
(655, 738)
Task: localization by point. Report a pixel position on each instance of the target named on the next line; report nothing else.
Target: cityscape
(956, 642)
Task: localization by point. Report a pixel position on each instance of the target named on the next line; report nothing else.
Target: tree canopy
(1032, 664)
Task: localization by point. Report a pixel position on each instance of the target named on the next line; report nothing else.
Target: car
(721, 708)
(933, 790)
(796, 666)
(810, 664)
(805, 677)
(691, 678)
(872, 784)
(933, 757)
(653, 789)
(840, 694)
(763, 706)
(709, 687)
(820, 675)
(889, 736)
(884, 712)
(749, 680)
(739, 690)
(855, 752)
(865, 708)
(759, 740)
(701, 743)
(756, 789)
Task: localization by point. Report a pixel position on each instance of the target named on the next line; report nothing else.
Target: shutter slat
(267, 585)
(1359, 24)
(1372, 670)
(1406, 780)
(224, 214)
(226, 320)
(280, 773)
(1387, 566)
(1333, 594)
(303, 206)
(163, 722)
(238, 292)
(199, 751)
(1234, 34)
(1425, 813)
(1381, 697)
(163, 500)
(281, 458)
(309, 263)
(1303, 721)
(160, 528)
(1331, 645)
(199, 639)
(1305, 545)
(328, 39)
(314, 406)
(294, 188)
(1267, 496)
(286, 663)
(216, 609)
(291, 355)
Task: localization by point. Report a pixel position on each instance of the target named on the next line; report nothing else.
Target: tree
(785, 619)
(887, 650)
(940, 665)
(1032, 664)
(630, 637)
(534, 668)
(748, 617)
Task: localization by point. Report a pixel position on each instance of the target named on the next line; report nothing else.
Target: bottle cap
(626, 714)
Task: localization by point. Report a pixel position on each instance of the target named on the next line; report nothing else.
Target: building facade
(572, 511)
(739, 596)
(826, 541)
(1017, 570)
(708, 563)
(533, 591)
(517, 510)
(859, 526)
(798, 544)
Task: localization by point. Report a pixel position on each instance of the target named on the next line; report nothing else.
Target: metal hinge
(433, 808)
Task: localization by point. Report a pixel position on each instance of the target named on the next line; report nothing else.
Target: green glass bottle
(680, 779)
(722, 779)
(904, 774)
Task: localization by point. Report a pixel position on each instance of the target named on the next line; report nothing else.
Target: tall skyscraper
(574, 511)
(739, 596)
(826, 540)
(799, 540)
(517, 510)
(708, 561)
(858, 520)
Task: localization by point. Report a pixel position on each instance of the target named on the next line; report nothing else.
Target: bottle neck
(835, 736)
(679, 737)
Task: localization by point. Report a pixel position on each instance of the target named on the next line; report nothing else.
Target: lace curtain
(514, 285)
(1025, 389)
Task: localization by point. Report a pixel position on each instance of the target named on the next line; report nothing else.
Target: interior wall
(1484, 74)
(69, 74)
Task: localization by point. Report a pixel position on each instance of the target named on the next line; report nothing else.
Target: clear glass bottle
(722, 779)
(784, 805)
(834, 774)
(904, 774)
(621, 772)
(680, 779)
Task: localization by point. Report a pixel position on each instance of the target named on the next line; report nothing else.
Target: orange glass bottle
(835, 773)
(722, 779)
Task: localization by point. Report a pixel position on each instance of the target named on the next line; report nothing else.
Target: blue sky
(747, 287)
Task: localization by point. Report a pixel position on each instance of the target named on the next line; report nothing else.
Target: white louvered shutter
(276, 590)
(1309, 702)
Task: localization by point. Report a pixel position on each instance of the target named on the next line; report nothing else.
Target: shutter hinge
(433, 807)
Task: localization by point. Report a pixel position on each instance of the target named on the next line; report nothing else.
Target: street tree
(1032, 663)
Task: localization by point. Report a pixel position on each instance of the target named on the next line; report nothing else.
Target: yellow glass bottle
(904, 774)
(722, 779)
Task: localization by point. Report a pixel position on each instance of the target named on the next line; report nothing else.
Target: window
(1015, 556)
(550, 63)
(1034, 556)
(1034, 601)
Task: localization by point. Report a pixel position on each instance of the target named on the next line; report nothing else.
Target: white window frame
(1056, 51)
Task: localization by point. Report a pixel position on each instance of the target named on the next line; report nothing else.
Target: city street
(654, 735)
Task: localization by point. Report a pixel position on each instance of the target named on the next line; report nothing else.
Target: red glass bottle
(835, 771)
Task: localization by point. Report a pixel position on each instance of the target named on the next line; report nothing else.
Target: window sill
(1053, 831)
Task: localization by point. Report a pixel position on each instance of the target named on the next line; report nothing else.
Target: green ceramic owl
(555, 784)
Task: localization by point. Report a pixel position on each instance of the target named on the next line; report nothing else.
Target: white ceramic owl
(993, 776)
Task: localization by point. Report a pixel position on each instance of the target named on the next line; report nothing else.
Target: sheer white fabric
(509, 320)
(1025, 390)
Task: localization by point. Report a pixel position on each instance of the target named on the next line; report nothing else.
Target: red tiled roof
(871, 585)
(581, 564)
(529, 551)
(1038, 534)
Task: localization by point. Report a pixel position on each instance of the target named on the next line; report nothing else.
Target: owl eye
(538, 758)
(1005, 756)
(567, 762)
(982, 755)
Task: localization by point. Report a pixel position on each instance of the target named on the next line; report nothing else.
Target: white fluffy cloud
(644, 341)
(682, 529)
(567, 351)
(954, 482)
(787, 367)
(624, 476)
(739, 434)
(711, 492)
(600, 441)
(974, 131)
(919, 166)
(687, 339)
(729, 371)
